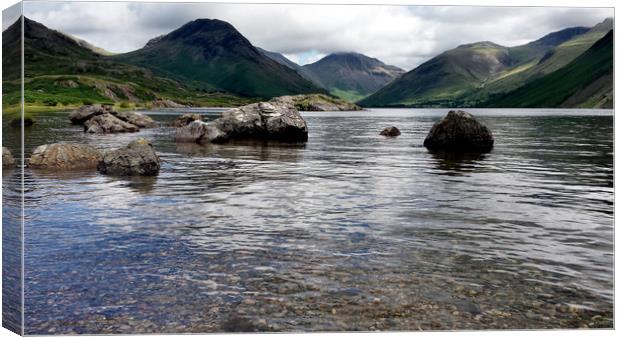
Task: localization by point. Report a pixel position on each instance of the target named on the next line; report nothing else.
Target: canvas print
(227, 167)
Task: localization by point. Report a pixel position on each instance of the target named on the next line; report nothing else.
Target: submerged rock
(459, 131)
(135, 118)
(7, 158)
(64, 156)
(108, 123)
(266, 121)
(316, 102)
(187, 118)
(137, 158)
(391, 131)
(86, 112)
(17, 122)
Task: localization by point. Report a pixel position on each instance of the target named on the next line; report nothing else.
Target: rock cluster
(97, 118)
(316, 102)
(459, 131)
(7, 158)
(265, 121)
(391, 131)
(166, 103)
(137, 158)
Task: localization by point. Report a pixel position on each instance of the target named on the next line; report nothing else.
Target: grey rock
(187, 118)
(7, 158)
(64, 156)
(137, 158)
(108, 123)
(135, 118)
(459, 131)
(86, 112)
(166, 103)
(263, 121)
(391, 131)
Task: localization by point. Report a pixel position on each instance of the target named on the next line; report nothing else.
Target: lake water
(350, 231)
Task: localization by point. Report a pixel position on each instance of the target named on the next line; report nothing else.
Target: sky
(404, 36)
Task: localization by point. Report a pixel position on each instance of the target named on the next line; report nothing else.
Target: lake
(350, 231)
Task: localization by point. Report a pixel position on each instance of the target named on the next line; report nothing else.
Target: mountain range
(207, 62)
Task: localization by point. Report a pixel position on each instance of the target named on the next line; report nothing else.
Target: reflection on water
(350, 231)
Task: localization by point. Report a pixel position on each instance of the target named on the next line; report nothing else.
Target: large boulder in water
(186, 119)
(459, 131)
(137, 158)
(390, 131)
(108, 123)
(64, 156)
(7, 158)
(86, 112)
(135, 118)
(264, 121)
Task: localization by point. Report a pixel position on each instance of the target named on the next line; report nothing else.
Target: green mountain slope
(351, 76)
(470, 75)
(62, 73)
(214, 55)
(587, 81)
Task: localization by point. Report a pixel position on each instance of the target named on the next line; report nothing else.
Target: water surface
(350, 231)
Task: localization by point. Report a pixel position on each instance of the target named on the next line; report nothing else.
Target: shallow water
(350, 231)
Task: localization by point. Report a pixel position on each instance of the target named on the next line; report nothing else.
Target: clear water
(350, 231)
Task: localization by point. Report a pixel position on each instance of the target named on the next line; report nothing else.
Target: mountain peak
(479, 44)
(557, 38)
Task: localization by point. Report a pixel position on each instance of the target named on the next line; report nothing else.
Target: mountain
(472, 74)
(585, 82)
(286, 62)
(351, 75)
(61, 71)
(214, 55)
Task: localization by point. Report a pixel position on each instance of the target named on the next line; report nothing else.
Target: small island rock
(187, 118)
(7, 158)
(64, 156)
(265, 121)
(137, 158)
(108, 123)
(86, 112)
(17, 122)
(391, 131)
(459, 131)
(166, 103)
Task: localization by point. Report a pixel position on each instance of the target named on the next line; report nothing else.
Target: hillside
(470, 75)
(62, 72)
(585, 82)
(215, 56)
(351, 76)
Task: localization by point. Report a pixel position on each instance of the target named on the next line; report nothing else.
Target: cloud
(401, 35)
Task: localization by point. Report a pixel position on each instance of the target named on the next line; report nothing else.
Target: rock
(64, 156)
(137, 158)
(166, 103)
(17, 122)
(135, 118)
(391, 131)
(86, 112)
(187, 118)
(459, 131)
(316, 102)
(7, 158)
(108, 123)
(265, 121)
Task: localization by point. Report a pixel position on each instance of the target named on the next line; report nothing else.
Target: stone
(391, 131)
(166, 103)
(7, 158)
(108, 123)
(64, 156)
(316, 102)
(135, 118)
(187, 118)
(459, 131)
(86, 112)
(259, 121)
(17, 122)
(137, 158)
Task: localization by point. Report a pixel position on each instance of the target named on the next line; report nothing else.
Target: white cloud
(401, 35)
